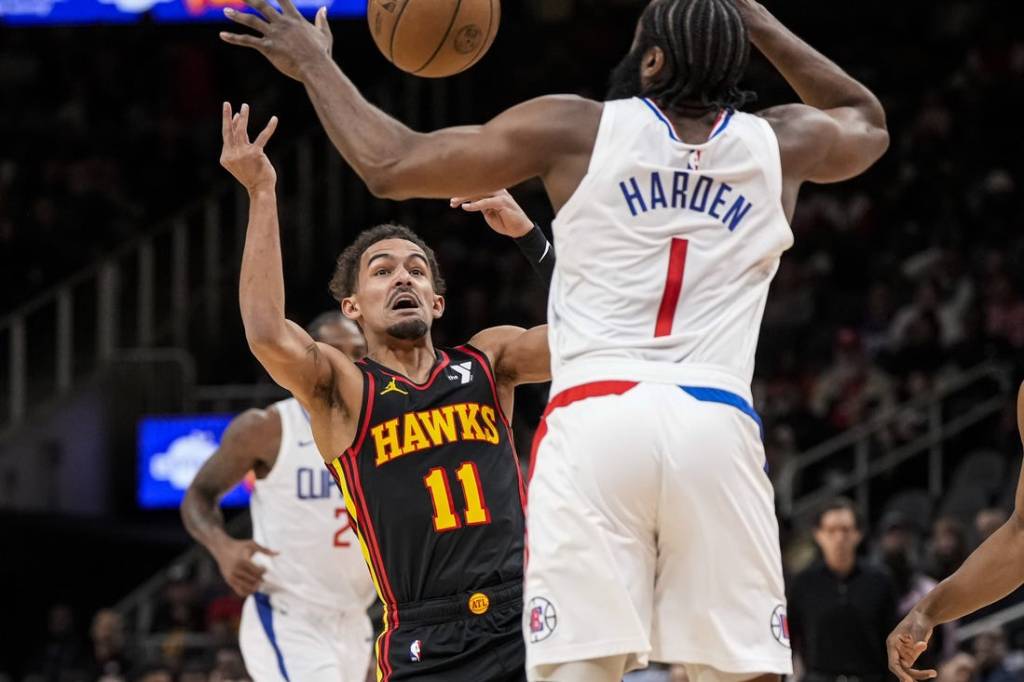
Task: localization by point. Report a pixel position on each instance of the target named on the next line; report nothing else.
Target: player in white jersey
(303, 575)
(651, 529)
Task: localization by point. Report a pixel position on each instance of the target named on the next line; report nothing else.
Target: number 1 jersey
(666, 252)
(432, 481)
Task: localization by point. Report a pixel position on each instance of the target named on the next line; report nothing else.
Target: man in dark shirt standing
(841, 607)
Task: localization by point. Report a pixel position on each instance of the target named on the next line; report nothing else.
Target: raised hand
(501, 212)
(246, 160)
(906, 643)
(285, 38)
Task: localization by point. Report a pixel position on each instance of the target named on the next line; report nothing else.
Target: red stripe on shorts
(568, 397)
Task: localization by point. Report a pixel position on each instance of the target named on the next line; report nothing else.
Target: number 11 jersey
(432, 481)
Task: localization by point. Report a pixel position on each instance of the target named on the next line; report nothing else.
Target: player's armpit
(315, 373)
(527, 141)
(519, 356)
(825, 146)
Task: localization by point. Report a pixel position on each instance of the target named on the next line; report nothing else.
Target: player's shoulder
(799, 123)
(556, 115)
(493, 341)
(257, 423)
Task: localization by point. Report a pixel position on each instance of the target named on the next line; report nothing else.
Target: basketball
(434, 38)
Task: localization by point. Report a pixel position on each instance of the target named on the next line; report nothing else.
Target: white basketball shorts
(651, 532)
(284, 640)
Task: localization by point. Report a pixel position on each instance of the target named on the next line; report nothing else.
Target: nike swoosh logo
(305, 444)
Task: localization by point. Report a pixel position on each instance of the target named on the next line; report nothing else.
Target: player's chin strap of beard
(539, 251)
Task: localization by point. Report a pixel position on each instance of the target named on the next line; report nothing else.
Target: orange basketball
(434, 38)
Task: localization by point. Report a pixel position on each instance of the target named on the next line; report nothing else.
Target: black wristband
(539, 251)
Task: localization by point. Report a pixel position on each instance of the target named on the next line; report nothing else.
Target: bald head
(336, 330)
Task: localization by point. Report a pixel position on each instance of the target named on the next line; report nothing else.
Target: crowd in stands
(897, 281)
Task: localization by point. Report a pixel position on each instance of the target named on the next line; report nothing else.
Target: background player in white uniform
(303, 575)
(651, 524)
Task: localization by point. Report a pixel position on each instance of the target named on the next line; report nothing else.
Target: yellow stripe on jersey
(350, 506)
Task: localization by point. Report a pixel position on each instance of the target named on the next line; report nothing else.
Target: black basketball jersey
(432, 481)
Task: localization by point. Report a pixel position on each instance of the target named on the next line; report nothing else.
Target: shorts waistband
(466, 605)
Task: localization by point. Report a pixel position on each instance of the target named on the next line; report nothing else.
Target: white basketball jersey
(298, 511)
(666, 253)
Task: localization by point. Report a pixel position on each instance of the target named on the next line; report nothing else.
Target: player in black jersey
(418, 437)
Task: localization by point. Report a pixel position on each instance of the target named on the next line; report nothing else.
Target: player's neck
(694, 130)
(412, 359)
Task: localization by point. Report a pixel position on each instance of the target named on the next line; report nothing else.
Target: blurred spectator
(898, 552)
(988, 521)
(990, 655)
(155, 673)
(228, 667)
(948, 547)
(961, 668)
(60, 657)
(108, 655)
(842, 607)
(178, 610)
(851, 390)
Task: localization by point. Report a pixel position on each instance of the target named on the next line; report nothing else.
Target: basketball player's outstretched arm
(536, 139)
(991, 572)
(840, 130)
(315, 373)
(251, 441)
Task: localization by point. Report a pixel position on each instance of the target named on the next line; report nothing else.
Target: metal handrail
(861, 438)
(880, 422)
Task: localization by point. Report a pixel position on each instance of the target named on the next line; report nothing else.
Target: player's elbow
(383, 186)
(386, 182)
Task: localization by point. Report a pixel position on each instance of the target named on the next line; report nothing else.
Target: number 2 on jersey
(673, 288)
(445, 517)
(341, 512)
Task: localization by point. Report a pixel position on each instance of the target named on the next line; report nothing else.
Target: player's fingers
(250, 572)
(289, 8)
(322, 23)
(245, 19)
(264, 8)
(243, 587)
(261, 141)
(242, 127)
(255, 545)
(243, 40)
(491, 204)
(921, 674)
(225, 122)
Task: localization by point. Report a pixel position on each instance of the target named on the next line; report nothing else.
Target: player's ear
(350, 309)
(652, 65)
(438, 307)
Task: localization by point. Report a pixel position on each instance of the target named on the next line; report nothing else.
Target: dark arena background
(890, 356)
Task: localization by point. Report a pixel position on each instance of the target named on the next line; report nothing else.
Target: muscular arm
(311, 371)
(250, 442)
(286, 350)
(840, 129)
(990, 573)
(530, 140)
(993, 571)
(519, 356)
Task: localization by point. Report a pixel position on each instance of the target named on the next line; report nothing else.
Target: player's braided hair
(346, 273)
(707, 49)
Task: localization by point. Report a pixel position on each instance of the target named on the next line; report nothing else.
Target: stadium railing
(176, 285)
(986, 389)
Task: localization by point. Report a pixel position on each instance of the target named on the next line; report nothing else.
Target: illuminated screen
(35, 12)
(171, 450)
